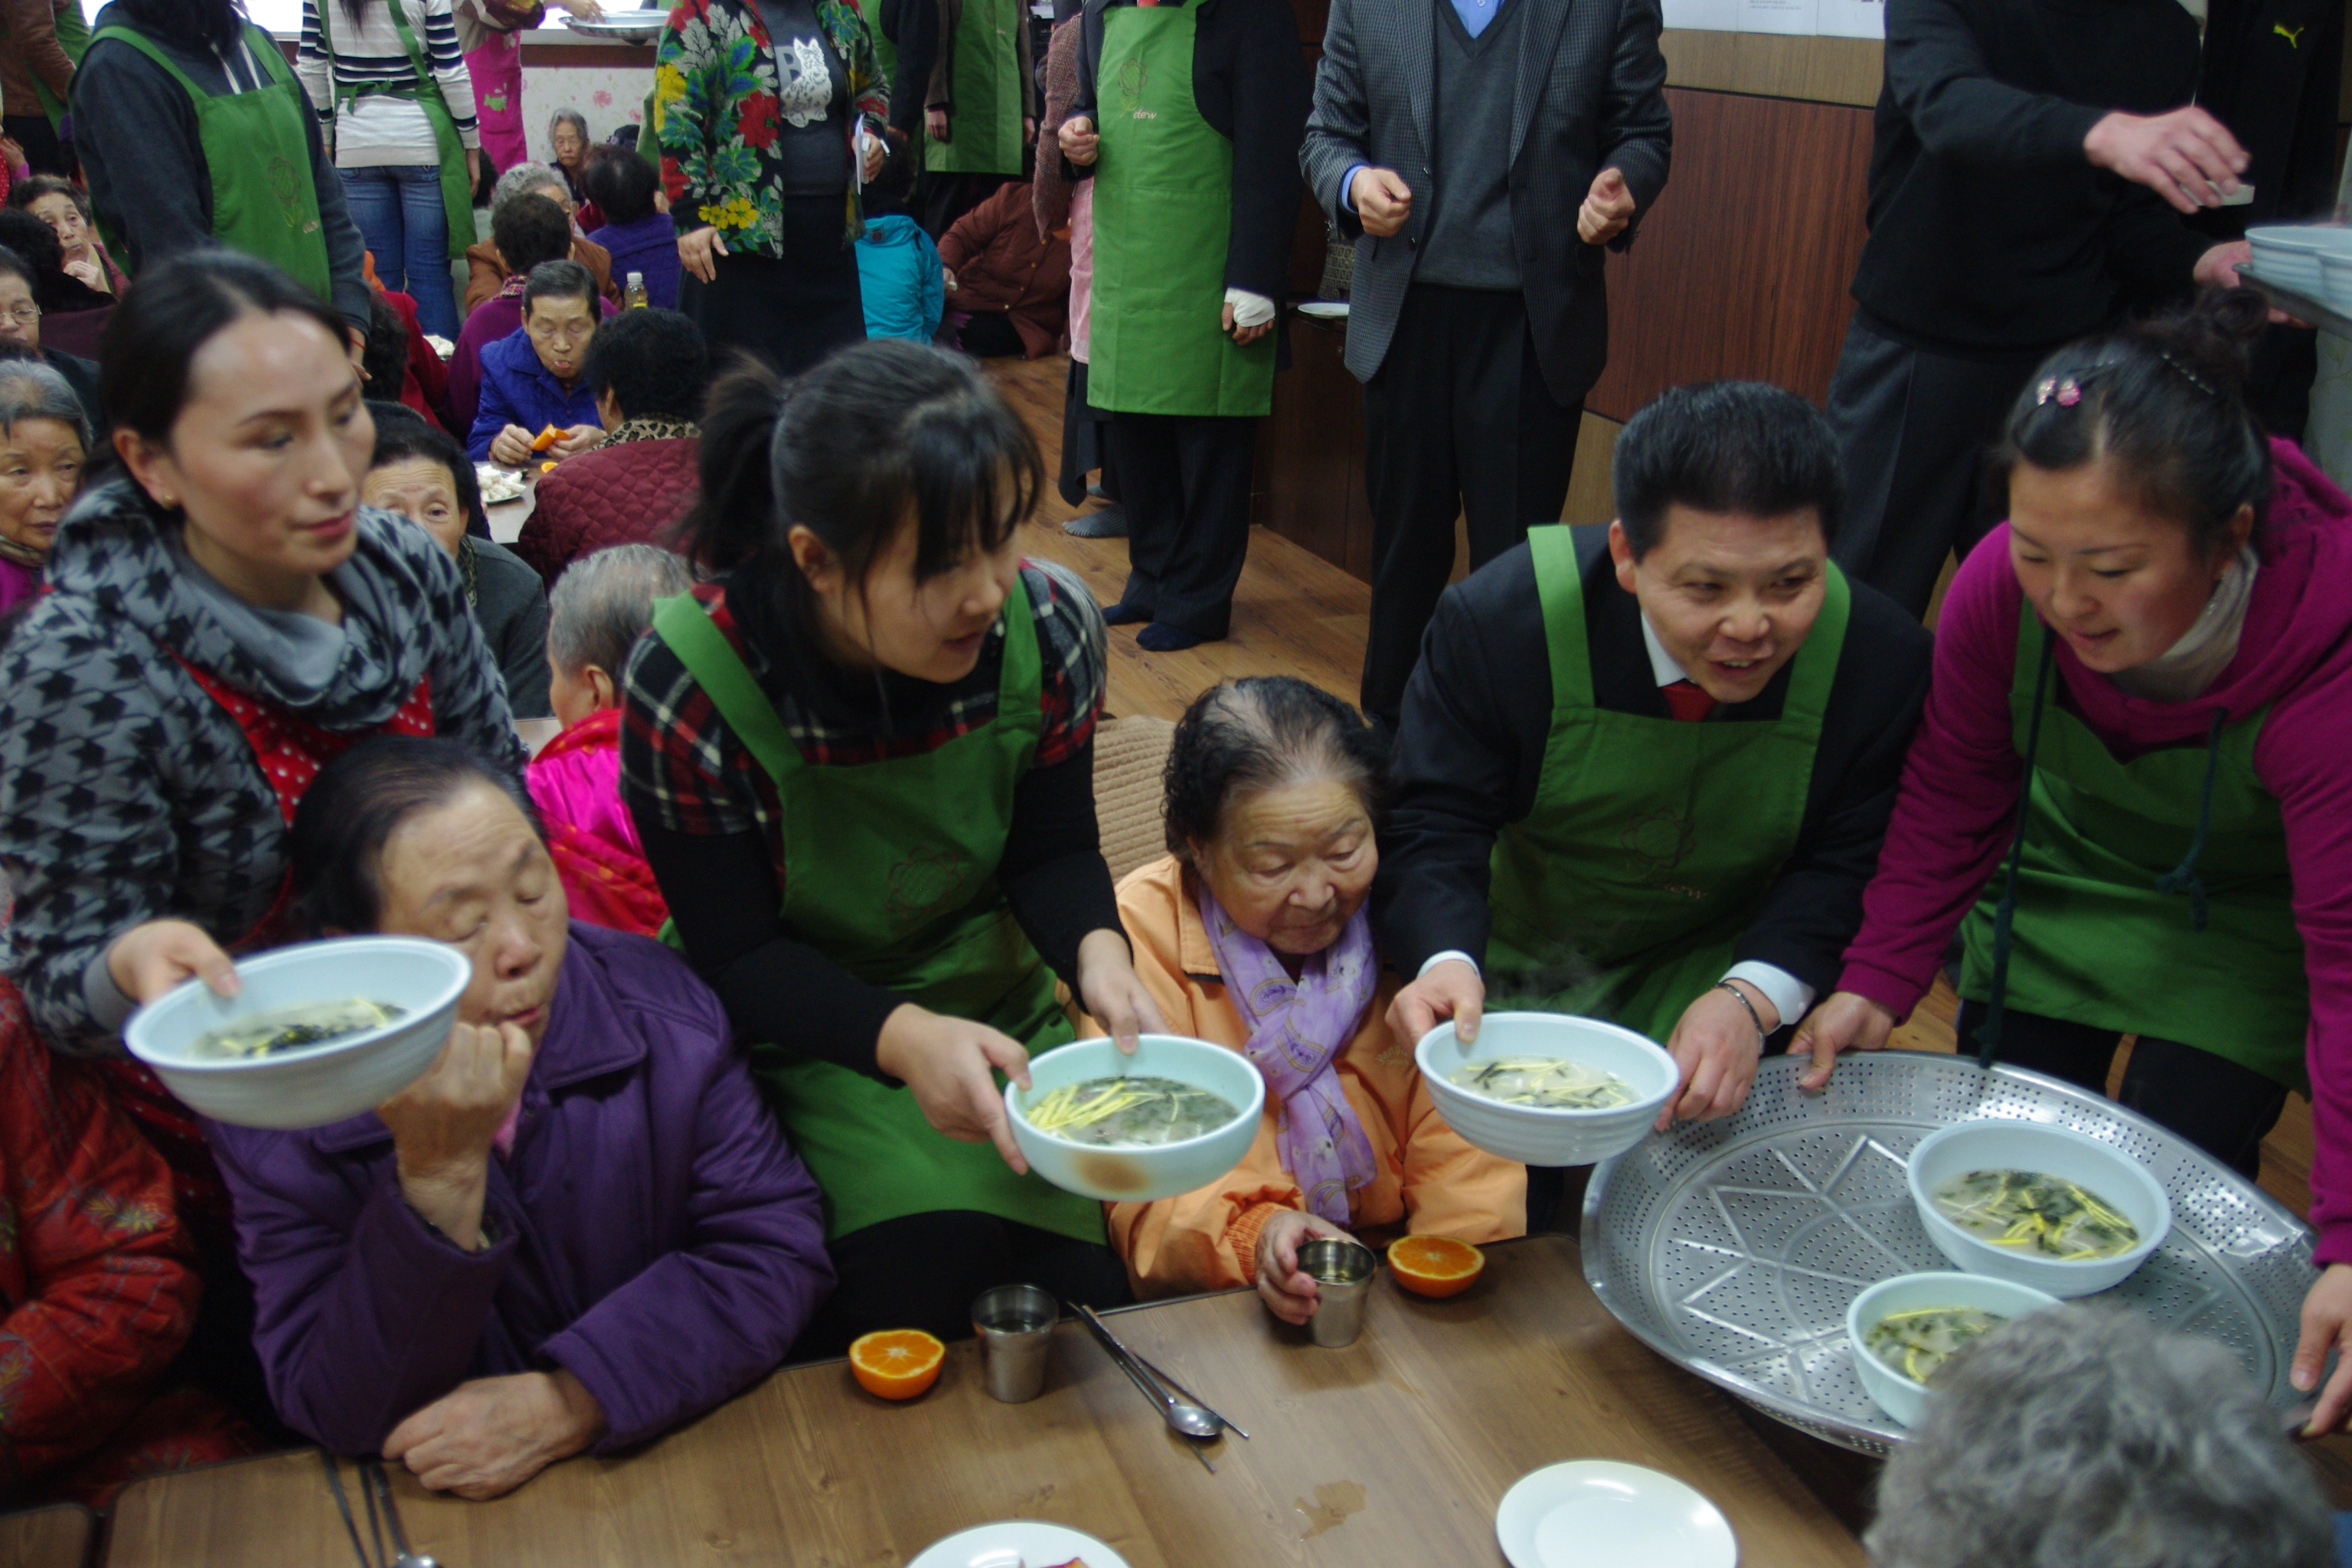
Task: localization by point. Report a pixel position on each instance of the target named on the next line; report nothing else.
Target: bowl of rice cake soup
(317, 1032)
(1905, 1329)
(2037, 1205)
(1176, 1115)
(1547, 1089)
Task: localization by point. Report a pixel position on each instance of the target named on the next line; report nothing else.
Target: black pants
(1085, 441)
(923, 1270)
(792, 311)
(947, 197)
(1457, 423)
(43, 152)
(2223, 1109)
(990, 334)
(1913, 427)
(1185, 482)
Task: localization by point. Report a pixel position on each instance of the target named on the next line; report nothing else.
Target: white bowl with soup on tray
(1547, 1089)
(2037, 1205)
(317, 1032)
(1176, 1115)
(1905, 1329)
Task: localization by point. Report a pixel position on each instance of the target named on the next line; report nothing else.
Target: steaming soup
(1918, 1342)
(1128, 1112)
(266, 1033)
(2048, 1216)
(1546, 1083)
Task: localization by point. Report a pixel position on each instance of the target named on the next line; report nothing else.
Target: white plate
(1598, 1513)
(1325, 310)
(1033, 1543)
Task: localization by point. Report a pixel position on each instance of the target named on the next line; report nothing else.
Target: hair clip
(2190, 376)
(2066, 393)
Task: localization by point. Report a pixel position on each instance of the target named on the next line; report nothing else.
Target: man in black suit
(1480, 153)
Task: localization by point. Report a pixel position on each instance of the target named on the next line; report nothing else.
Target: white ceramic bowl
(1898, 1394)
(1140, 1176)
(1528, 1133)
(2103, 1169)
(316, 1085)
(2291, 254)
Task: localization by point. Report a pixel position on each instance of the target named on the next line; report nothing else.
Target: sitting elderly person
(601, 605)
(1252, 933)
(44, 452)
(2084, 1437)
(647, 370)
(488, 267)
(533, 231)
(580, 1227)
(533, 379)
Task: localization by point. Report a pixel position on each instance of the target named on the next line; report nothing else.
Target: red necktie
(1688, 700)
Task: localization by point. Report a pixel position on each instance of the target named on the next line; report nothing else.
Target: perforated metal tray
(1733, 1248)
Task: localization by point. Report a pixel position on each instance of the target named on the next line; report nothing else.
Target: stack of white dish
(1532, 1134)
(2311, 259)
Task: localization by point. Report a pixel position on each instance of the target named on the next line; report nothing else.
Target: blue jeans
(398, 209)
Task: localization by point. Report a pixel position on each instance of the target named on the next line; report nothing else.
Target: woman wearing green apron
(194, 131)
(1673, 830)
(1189, 117)
(980, 102)
(861, 762)
(2152, 655)
(37, 66)
(406, 140)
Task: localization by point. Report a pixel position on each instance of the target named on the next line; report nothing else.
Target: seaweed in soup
(1546, 1083)
(275, 1029)
(1128, 1112)
(2046, 1215)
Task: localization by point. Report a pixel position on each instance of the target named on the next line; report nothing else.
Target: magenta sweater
(1954, 815)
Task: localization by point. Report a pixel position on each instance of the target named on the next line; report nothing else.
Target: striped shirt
(377, 128)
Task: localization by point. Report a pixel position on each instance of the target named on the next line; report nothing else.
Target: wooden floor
(1296, 614)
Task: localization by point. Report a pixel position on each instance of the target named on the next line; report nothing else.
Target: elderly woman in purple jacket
(579, 1228)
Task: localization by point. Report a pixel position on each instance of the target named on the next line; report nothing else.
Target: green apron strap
(726, 680)
(1810, 681)
(2004, 921)
(1560, 589)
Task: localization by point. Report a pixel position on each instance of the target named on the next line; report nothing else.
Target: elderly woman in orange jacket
(1252, 933)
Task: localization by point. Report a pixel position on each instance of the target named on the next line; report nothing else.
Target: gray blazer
(1590, 94)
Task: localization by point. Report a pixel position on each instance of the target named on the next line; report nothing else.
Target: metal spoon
(406, 1559)
(1182, 1416)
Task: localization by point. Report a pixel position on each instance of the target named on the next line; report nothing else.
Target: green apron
(73, 37)
(985, 76)
(1163, 210)
(890, 872)
(2095, 940)
(456, 187)
(1624, 890)
(257, 152)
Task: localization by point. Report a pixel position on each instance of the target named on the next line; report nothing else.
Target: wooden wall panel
(1772, 65)
(1741, 269)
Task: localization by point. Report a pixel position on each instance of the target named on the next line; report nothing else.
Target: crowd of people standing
(811, 867)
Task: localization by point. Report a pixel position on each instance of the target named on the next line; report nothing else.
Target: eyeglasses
(24, 315)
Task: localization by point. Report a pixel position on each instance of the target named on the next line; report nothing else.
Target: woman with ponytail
(2154, 654)
(860, 760)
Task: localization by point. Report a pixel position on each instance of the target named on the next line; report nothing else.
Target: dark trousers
(990, 334)
(922, 1271)
(1913, 427)
(1185, 482)
(1085, 441)
(793, 311)
(2212, 1101)
(43, 152)
(1457, 423)
(947, 197)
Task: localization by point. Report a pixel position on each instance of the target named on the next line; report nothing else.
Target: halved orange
(546, 438)
(896, 1363)
(1435, 1264)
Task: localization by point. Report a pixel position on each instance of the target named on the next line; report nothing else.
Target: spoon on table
(373, 1473)
(1184, 1417)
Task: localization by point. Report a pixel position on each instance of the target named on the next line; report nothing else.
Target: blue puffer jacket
(898, 271)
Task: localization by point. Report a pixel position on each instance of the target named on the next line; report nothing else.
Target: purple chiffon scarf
(1297, 1029)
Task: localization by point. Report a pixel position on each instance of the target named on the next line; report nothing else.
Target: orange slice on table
(1435, 1264)
(548, 466)
(896, 1363)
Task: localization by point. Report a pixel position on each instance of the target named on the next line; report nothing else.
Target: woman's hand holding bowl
(1289, 1293)
(1112, 995)
(443, 1125)
(156, 956)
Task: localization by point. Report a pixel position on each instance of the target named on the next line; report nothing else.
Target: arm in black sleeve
(1468, 749)
(1637, 130)
(2151, 250)
(721, 891)
(1813, 908)
(136, 133)
(1936, 74)
(1053, 871)
(1271, 95)
(918, 49)
(346, 251)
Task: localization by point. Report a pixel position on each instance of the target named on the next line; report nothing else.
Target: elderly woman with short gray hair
(44, 452)
(601, 605)
(487, 270)
(2084, 1436)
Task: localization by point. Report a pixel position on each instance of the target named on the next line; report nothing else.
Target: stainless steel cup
(1343, 1272)
(1015, 1324)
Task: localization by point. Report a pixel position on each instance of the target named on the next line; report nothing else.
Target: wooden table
(1393, 1451)
(57, 1537)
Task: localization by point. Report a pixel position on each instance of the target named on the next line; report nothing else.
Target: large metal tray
(1733, 1248)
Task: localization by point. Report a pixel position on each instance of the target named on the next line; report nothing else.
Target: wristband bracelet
(1753, 1016)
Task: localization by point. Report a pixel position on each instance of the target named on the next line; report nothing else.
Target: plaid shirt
(681, 762)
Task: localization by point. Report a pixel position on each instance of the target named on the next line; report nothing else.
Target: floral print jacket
(715, 116)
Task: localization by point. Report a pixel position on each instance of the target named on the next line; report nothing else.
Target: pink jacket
(577, 779)
(1953, 817)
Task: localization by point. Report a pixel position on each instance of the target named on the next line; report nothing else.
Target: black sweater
(2273, 71)
(1989, 231)
(1251, 84)
(1470, 749)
